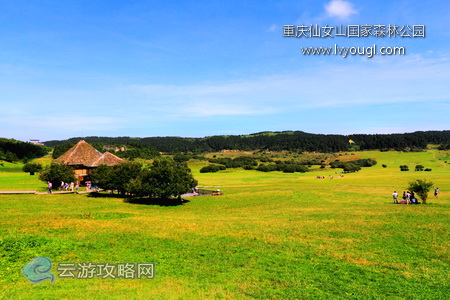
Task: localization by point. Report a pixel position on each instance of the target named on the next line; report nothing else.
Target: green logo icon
(38, 270)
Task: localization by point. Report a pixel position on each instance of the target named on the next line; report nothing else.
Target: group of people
(329, 176)
(409, 197)
(65, 186)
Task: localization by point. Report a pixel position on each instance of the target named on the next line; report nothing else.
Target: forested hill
(13, 150)
(276, 141)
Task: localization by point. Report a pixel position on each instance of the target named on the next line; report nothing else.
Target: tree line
(298, 141)
(13, 150)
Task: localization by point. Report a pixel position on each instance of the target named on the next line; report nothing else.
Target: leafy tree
(55, 173)
(123, 173)
(116, 177)
(421, 188)
(166, 178)
(102, 177)
(163, 179)
(32, 168)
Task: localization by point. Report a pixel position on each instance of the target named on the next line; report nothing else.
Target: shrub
(179, 157)
(263, 168)
(289, 169)
(212, 169)
(350, 167)
(419, 168)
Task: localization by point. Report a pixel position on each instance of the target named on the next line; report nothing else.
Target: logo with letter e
(38, 270)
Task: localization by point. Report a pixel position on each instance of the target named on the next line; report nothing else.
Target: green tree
(116, 177)
(123, 173)
(165, 178)
(421, 188)
(102, 177)
(55, 173)
(32, 168)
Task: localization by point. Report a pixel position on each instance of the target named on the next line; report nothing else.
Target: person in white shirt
(395, 197)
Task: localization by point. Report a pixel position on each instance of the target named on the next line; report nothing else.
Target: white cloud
(340, 9)
(353, 84)
(380, 80)
(273, 28)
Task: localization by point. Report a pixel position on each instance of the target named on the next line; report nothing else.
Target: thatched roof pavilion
(83, 154)
(83, 157)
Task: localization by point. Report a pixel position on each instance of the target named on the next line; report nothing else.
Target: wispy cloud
(356, 85)
(273, 28)
(340, 9)
(376, 81)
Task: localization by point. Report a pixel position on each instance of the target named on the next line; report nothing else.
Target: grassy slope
(271, 235)
(13, 179)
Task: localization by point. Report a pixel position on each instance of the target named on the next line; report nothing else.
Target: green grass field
(271, 235)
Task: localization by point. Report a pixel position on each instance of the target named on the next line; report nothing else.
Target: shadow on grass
(156, 201)
(142, 201)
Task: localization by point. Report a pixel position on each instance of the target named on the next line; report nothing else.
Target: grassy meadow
(271, 235)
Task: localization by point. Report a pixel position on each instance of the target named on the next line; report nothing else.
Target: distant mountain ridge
(278, 141)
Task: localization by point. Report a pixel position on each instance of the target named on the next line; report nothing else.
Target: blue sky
(200, 68)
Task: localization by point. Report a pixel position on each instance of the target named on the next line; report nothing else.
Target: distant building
(36, 142)
(85, 158)
(115, 148)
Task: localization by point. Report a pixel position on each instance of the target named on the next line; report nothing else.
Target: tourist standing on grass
(408, 197)
(62, 185)
(71, 186)
(395, 197)
(436, 192)
(49, 186)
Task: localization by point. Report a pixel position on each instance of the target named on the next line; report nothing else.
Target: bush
(350, 167)
(212, 169)
(179, 157)
(238, 162)
(419, 168)
(263, 168)
(289, 169)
